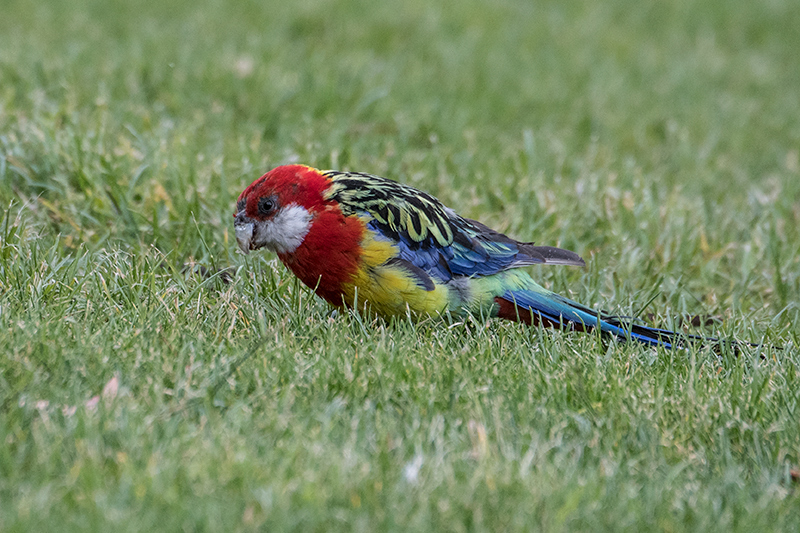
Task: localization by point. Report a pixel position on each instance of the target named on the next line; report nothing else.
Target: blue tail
(542, 307)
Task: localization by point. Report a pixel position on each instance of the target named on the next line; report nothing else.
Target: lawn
(155, 379)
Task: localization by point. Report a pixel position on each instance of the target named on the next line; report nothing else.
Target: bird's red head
(277, 209)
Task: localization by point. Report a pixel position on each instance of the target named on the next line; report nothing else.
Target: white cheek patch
(286, 231)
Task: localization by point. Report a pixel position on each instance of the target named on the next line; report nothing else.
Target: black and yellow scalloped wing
(431, 236)
(402, 212)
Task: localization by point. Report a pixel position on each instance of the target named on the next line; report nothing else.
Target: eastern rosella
(359, 239)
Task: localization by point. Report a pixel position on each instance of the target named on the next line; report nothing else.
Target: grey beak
(244, 232)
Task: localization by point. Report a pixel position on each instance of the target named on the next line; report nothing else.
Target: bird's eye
(266, 206)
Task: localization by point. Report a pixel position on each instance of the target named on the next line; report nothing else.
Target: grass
(660, 141)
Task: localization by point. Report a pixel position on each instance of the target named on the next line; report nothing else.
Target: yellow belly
(388, 289)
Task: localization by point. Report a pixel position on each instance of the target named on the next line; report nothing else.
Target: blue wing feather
(471, 253)
(432, 259)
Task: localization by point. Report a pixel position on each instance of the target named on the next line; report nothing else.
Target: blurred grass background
(661, 141)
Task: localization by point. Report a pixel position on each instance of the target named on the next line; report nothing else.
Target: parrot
(366, 242)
